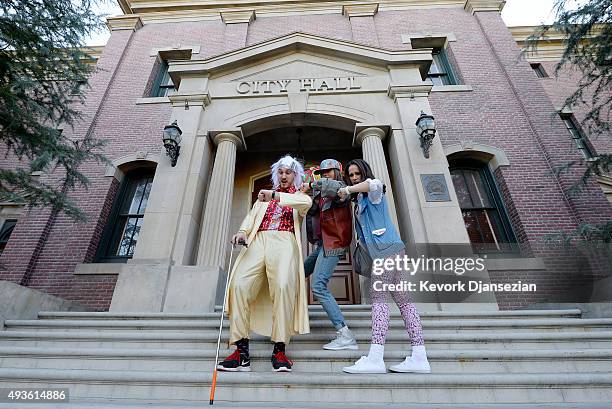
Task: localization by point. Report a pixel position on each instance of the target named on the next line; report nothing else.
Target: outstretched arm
(299, 201)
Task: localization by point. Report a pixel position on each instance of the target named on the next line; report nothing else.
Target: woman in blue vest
(376, 231)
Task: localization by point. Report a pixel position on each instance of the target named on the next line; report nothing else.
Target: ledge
(452, 88)
(98, 268)
(152, 100)
(497, 264)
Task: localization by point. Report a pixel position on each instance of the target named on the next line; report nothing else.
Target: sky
(515, 13)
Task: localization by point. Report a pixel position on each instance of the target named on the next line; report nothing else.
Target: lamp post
(426, 128)
(172, 139)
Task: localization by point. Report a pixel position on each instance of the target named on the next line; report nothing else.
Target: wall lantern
(172, 140)
(426, 128)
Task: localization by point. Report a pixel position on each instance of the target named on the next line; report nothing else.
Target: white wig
(288, 162)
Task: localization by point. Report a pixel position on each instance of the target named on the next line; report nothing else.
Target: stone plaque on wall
(435, 188)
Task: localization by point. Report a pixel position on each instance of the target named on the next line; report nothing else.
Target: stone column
(215, 224)
(370, 140)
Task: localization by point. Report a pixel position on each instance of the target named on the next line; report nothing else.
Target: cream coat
(261, 317)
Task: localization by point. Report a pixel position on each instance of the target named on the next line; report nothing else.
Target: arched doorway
(311, 144)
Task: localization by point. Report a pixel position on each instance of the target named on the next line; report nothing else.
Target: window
(580, 140)
(163, 85)
(483, 212)
(125, 222)
(539, 70)
(5, 233)
(440, 72)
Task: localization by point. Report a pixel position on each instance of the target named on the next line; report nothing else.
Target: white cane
(214, 378)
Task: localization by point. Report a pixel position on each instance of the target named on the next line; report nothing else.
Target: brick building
(249, 81)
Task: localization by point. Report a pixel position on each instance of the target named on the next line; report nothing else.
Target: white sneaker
(344, 340)
(413, 365)
(366, 364)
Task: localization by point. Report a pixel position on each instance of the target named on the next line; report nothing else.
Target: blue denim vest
(375, 228)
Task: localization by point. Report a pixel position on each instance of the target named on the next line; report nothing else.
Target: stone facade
(221, 58)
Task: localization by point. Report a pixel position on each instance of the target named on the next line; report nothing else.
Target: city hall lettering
(297, 85)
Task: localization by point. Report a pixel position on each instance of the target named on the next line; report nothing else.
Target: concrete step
(184, 404)
(451, 361)
(316, 312)
(208, 339)
(165, 404)
(456, 325)
(299, 387)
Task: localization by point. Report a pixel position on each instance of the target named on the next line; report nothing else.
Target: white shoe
(417, 363)
(366, 364)
(344, 340)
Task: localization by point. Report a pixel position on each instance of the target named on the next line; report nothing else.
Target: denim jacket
(374, 226)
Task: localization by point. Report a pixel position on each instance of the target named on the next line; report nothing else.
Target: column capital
(363, 131)
(126, 22)
(472, 6)
(237, 16)
(360, 10)
(235, 137)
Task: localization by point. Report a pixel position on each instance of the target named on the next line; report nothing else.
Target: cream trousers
(272, 258)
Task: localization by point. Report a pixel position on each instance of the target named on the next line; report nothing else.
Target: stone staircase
(499, 358)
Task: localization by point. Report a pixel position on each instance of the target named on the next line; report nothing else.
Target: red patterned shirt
(279, 218)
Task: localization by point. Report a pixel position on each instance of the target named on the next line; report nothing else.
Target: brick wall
(509, 108)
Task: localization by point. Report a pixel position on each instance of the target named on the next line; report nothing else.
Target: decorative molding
(177, 51)
(429, 40)
(473, 6)
(235, 136)
(364, 130)
(495, 157)
(409, 91)
(237, 16)
(113, 170)
(190, 99)
(179, 10)
(360, 10)
(298, 42)
(126, 22)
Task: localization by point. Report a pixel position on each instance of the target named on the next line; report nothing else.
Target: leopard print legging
(380, 309)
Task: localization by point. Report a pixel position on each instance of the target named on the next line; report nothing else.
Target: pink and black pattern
(380, 310)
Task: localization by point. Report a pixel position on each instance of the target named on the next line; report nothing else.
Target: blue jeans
(322, 269)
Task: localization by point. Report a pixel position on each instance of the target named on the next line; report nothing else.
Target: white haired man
(267, 289)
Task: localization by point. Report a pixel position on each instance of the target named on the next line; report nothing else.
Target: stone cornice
(193, 10)
(237, 16)
(302, 41)
(360, 10)
(550, 48)
(473, 6)
(126, 22)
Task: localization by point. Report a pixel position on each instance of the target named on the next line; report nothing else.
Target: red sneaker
(236, 362)
(280, 362)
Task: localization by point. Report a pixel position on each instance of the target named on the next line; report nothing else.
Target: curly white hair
(288, 162)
